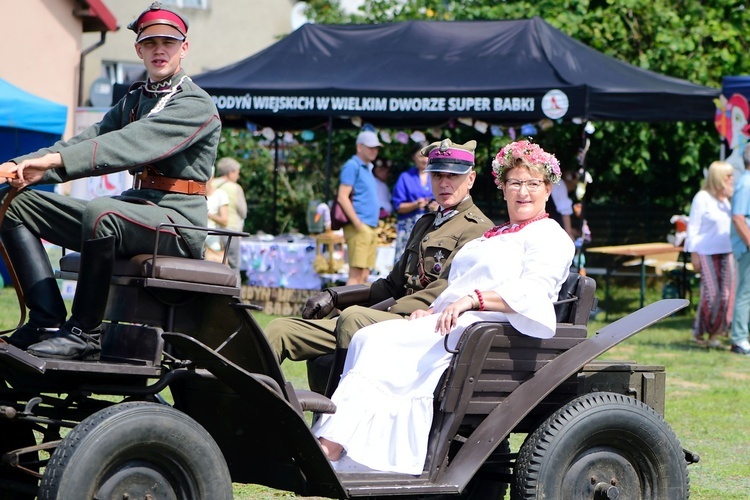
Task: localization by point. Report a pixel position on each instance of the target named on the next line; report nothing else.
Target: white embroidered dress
(385, 398)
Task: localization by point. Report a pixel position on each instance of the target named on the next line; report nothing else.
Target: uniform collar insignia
(443, 216)
(156, 88)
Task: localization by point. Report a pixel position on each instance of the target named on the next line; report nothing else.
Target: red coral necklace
(507, 228)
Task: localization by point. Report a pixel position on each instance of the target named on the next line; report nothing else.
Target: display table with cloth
(281, 269)
(284, 261)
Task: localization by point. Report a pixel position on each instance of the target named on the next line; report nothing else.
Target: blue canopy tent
(27, 123)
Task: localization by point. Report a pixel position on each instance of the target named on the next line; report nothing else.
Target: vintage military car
(101, 429)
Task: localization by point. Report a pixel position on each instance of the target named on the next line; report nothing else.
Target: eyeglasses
(532, 184)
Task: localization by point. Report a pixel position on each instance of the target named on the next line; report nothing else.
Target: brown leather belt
(149, 179)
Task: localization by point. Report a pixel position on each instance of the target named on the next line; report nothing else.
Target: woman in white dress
(513, 273)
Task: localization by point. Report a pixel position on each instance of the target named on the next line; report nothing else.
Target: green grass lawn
(707, 402)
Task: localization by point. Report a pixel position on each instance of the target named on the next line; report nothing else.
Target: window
(123, 72)
(187, 4)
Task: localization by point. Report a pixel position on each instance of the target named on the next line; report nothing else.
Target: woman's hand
(420, 313)
(449, 317)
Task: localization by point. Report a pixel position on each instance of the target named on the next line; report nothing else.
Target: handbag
(338, 217)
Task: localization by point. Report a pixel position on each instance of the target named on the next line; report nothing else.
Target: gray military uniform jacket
(176, 132)
(422, 272)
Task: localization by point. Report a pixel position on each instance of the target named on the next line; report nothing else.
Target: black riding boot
(78, 338)
(37, 281)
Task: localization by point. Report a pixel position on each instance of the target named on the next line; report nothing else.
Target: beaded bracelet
(474, 300)
(481, 299)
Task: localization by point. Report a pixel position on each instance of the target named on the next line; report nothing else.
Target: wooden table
(641, 250)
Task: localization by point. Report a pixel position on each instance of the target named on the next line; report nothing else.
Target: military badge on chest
(438, 266)
(437, 259)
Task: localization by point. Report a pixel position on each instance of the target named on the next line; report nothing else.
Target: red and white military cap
(156, 21)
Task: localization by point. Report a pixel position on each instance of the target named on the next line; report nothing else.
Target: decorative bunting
(268, 133)
(402, 137)
(481, 126)
(418, 136)
(528, 130)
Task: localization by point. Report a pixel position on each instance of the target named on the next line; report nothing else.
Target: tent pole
(275, 179)
(327, 189)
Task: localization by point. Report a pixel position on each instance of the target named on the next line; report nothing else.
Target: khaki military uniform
(415, 281)
(176, 131)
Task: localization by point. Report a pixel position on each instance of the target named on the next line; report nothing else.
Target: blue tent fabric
(20, 109)
(736, 85)
(27, 123)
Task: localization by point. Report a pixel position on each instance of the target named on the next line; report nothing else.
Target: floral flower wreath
(533, 154)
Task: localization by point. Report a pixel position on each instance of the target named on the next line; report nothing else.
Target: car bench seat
(148, 290)
(492, 359)
(164, 293)
(176, 273)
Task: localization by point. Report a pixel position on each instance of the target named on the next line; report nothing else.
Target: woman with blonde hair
(711, 253)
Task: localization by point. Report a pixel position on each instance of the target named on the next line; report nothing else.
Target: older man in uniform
(166, 130)
(416, 280)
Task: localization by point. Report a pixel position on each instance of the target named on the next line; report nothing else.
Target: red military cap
(156, 21)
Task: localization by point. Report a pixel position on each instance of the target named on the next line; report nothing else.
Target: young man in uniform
(166, 131)
(416, 280)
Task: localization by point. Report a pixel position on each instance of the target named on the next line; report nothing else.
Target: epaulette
(473, 216)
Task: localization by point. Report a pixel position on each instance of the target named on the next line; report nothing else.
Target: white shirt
(384, 195)
(215, 201)
(709, 225)
(563, 203)
(525, 268)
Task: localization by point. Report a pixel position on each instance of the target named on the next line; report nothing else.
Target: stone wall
(277, 301)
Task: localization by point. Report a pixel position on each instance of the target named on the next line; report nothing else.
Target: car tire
(602, 445)
(137, 450)
(14, 436)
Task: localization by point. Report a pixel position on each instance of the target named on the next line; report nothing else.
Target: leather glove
(319, 305)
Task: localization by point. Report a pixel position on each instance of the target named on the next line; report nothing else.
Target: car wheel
(137, 450)
(14, 483)
(599, 446)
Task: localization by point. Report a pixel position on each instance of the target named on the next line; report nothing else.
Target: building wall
(42, 42)
(40, 50)
(227, 32)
